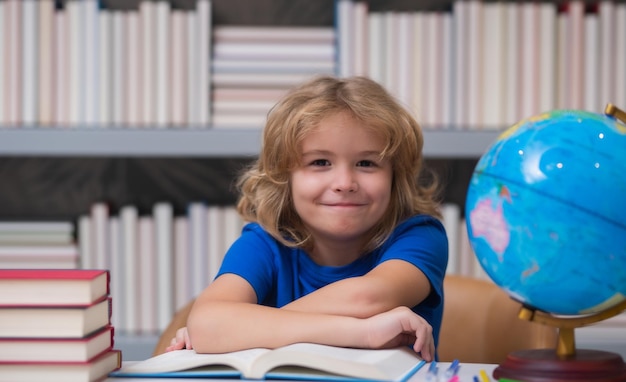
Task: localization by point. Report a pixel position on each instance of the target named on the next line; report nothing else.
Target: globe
(546, 212)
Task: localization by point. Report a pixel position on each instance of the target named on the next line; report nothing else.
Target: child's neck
(335, 254)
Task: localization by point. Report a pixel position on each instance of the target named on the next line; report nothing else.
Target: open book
(302, 361)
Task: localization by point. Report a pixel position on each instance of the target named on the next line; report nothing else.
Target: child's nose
(345, 181)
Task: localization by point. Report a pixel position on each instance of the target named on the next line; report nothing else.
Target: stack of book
(252, 67)
(38, 244)
(55, 325)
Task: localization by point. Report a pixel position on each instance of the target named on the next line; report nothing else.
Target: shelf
(193, 142)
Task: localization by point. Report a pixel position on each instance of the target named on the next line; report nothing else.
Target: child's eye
(320, 162)
(366, 163)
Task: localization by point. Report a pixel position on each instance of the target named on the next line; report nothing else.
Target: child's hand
(401, 326)
(181, 341)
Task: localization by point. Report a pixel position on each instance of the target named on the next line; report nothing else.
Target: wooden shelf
(193, 142)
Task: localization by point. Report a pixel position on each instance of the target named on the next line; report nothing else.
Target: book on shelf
(93, 370)
(48, 227)
(38, 321)
(278, 34)
(272, 51)
(37, 261)
(274, 66)
(60, 349)
(38, 238)
(301, 361)
(52, 287)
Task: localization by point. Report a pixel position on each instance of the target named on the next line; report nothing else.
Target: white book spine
(30, 60)
(512, 66)
(447, 98)
(36, 226)
(467, 258)
(265, 51)
(91, 60)
(563, 56)
(133, 70)
(85, 240)
(61, 112)
(345, 38)
(432, 88)
(193, 85)
(419, 66)
(441, 74)
(460, 11)
(576, 45)
(493, 67)
(76, 61)
(182, 266)
(14, 85)
(247, 107)
(591, 83)
(547, 57)
(451, 218)
(129, 236)
(375, 31)
(178, 72)
(119, 50)
(198, 246)
(118, 291)
(233, 224)
(529, 72)
(278, 80)
(105, 68)
(391, 52)
(147, 14)
(238, 121)
(46, 72)
(360, 38)
(405, 59)
(475, 62)
(215, 239)
(608, 52)
(203, 23)
(162, 63)
(163, 233)
(100, 235)
(620, 55)
(276, 33)
(147, 276)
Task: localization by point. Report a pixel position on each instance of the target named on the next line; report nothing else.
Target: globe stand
(565, 363)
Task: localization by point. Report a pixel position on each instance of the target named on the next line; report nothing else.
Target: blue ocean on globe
(546, 212)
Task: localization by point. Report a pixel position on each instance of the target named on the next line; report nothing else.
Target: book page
(387, 364)
(179, 360)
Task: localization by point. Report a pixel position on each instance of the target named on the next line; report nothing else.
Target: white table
(466, 374)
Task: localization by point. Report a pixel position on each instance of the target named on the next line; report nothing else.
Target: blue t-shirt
(280, 274)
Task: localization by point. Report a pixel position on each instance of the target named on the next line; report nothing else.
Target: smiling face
(342, 187)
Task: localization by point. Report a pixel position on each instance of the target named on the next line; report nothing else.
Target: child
(343, 247)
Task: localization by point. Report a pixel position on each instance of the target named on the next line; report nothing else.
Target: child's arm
(226, 317)
(391, 284)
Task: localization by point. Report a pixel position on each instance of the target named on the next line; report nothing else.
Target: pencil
(483, 376)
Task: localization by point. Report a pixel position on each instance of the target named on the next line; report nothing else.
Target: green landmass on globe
(546, 208)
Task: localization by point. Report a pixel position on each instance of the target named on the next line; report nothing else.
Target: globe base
(544, 365)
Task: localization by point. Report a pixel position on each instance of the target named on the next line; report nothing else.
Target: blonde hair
(265, 192)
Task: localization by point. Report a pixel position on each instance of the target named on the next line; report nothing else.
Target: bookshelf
(195, 142)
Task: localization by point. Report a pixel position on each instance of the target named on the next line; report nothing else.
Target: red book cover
(53, 287)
